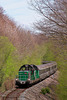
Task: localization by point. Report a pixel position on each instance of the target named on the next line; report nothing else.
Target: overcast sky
(19, 11)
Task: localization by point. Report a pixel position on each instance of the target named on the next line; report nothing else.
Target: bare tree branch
(54, 17)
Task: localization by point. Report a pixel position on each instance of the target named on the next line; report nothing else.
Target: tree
(6, 51)
(54, 17)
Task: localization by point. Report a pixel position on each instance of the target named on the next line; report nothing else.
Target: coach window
(55, 66)
(45, 70)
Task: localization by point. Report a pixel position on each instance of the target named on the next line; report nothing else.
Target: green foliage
(45, 90)
(37, 54)
(59, 54)
(6, 59)
(62, 87)
(49, 56)
(35, 57)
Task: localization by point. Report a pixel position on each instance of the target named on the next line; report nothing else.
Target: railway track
(13, 95)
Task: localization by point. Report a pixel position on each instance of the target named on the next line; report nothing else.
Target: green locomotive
(29, 74)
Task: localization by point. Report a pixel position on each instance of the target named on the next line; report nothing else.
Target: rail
(12, 95)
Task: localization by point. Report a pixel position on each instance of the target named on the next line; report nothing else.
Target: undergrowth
(45, 90)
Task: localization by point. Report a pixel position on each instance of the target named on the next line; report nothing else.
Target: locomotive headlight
(16, 79)
(21, 82)
(28, 79)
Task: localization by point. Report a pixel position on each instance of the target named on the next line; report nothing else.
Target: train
(29, 74)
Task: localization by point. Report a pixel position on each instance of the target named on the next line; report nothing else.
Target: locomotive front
(27, 74)
(24, 75)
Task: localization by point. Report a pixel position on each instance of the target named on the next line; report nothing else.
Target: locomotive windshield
(26, 68)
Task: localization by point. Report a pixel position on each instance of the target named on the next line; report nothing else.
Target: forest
(19, 46)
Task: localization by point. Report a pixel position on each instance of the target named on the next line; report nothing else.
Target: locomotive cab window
(25, 68)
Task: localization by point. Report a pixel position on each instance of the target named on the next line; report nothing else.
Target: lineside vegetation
(18, 46)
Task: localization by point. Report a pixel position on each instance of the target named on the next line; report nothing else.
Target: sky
(19, 11)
